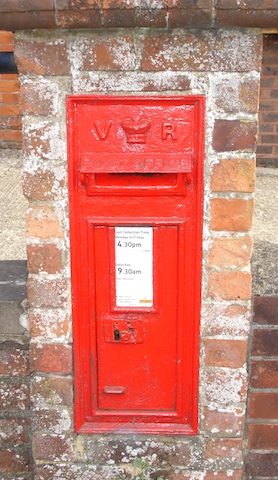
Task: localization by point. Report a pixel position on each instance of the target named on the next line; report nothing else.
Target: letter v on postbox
(136, 194)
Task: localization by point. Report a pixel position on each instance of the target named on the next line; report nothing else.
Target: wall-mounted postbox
(135, 190)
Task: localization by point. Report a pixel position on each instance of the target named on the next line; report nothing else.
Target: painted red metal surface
(136, 169)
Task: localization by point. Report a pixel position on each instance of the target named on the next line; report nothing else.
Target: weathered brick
(42, 140)
(264, 342)
(44, 258)
(263, 436)
(236, 95)
(46, 293)
(226, 386)
(14, 462)
(263, 405)
(211, 51)
(14, 431)
(230, 252)
(132, 81)
(42, 222)
(53, 390)
(42, 56)
(106, 52)
(230, 474)
(42, 184)
(14, 394)
(225, 353)
(264, 373)
(261, 464)
(39, 98)
(49, 324)
(230, 422)
(233, 176)
(234, 214)
(230, 285)
(52, 447)
(52, 420)
(228, 319)
(52, 358)
(14, 359)
(231, 135)
(224, 447)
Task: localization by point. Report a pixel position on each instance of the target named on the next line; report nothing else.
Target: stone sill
(73, 14)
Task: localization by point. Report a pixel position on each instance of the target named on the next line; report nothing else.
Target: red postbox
(135, 191)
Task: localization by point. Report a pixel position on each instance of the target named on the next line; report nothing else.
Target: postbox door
(135, 190)
(137, 347)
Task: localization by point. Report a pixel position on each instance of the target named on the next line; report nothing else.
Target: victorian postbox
(135, 192)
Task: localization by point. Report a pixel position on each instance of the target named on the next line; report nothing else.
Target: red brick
(46, 293)
(263, 405)
(48, 324)
(14, 394)
(224, 447)
(11, 136)
(233, 176)
(230, 252)
(41, 185)
(52, 420)
(230, 285)
(264, 374)
(39, 57)
(9, 86)
(107, 52)
(231, 135)
(52, 447)
(72, 19)
(225, 353)
(14, 462)
(263, 436)
(51, 358)
(261, 464)
(225, 386)
(197, 17)
(44, 258)
(224, 421)
(9, 98)
(6, 38)
(14, 359)
(119, 18)
(42, 222)
(53, 390)
(9, 110)
(266, 310)
(264, 342)
(233, 214)
(14, 431)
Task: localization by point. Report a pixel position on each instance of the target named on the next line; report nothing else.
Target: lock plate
(124, 331)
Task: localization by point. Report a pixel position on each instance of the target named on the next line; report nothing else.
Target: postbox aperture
(135, 191)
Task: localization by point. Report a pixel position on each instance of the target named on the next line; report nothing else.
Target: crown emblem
(136, 129)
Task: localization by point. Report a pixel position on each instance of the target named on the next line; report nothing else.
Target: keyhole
(117, 335)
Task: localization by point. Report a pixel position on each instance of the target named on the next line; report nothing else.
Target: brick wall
(267, 149)
(262, 426)
(224, 67)
(10, 120)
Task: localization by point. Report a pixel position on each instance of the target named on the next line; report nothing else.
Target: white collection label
(134, 266)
